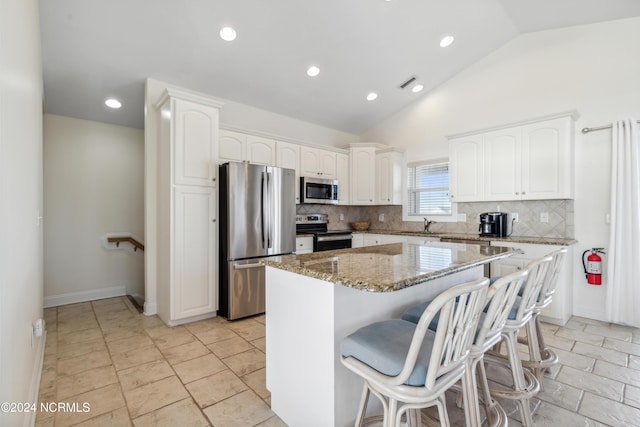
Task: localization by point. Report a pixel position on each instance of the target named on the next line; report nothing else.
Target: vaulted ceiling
(93, 50)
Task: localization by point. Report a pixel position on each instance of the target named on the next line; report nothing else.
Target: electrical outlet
(544, 216)
(341, 217)
(515, 217)
(381, 217)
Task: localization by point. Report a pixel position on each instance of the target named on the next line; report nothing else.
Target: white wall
(232, 116)
(93, 186)
(592, 68)
(20, 202)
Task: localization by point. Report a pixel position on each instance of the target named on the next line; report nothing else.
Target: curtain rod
(587, 130)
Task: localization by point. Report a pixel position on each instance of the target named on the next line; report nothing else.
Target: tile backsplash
(560, 217)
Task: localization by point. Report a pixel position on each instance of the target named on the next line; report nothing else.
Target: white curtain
(623, 267)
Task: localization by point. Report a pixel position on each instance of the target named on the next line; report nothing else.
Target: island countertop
(391, 267)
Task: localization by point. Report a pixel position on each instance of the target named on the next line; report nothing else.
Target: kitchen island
(315, 300)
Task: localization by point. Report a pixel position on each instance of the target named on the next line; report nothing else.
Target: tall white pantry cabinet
(187, 207)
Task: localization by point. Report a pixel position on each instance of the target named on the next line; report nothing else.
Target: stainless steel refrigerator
(257, 220)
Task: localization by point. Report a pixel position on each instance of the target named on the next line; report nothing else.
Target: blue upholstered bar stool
(499, 306)
(407, 366)
(540, 356)
(525, 384)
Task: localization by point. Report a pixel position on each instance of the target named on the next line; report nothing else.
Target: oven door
(330, 242)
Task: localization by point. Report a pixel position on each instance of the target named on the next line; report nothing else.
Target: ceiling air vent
(408, 82)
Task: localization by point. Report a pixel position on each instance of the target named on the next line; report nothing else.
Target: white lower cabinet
(392, 238)
(357, 241)
(372, 240)
(304, 245)
(384, 239)
(561, 307)
(195, 257)
(421, 240)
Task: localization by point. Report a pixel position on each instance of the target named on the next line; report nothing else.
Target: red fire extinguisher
(593, 266)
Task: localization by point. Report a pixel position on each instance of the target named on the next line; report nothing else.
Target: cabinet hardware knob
(523, 193)
(452, 196)
(517, 193)
(213, 179)
(213, 220)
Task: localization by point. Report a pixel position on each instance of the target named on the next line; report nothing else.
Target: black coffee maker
(493, 224)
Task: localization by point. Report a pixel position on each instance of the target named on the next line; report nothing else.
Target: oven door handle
(334, 238)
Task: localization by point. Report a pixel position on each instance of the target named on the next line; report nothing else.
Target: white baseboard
(82, 296)
(590, 314)
(34, 385)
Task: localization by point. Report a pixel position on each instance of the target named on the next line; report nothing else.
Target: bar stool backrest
(549, 286)
(537, 270)
(460, 308)
(500, 299)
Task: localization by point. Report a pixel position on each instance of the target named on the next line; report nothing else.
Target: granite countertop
(388, 268)
(514, 239)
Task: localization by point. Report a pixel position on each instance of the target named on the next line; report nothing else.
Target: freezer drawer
(246, 289)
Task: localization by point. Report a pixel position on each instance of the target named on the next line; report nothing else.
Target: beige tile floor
(133, 370)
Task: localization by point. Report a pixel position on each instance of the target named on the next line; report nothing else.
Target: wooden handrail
(136, 245)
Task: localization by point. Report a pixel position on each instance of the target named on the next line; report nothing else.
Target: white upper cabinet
(238, 147)
(502, 153)
(547, 160)
(261, 151)
(195, 131)
(388, 175)
(288, 156)
(342, 174)
(533, 161)
(317, 162)
(363, 164)
(232, 146)
(465, 164)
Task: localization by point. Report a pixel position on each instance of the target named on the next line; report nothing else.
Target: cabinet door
(232, 146)
(465, 157)
(288, 156)
(363, 162)
(342, 175)
(195, 257)
(309, 161)
(389, 172)
(194, 140)
(506, 266)
(304, 245)
(261, 151)
(547, 160)
(358, 241)
(501, 158)
(328, 164)
(371, 240)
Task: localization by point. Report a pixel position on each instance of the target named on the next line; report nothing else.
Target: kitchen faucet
(428, 224)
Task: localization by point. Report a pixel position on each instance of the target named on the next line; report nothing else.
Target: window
(428, 189)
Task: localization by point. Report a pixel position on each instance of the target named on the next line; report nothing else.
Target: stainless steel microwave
(317, 190)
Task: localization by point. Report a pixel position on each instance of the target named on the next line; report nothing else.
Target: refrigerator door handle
(269, 208)
(247, 266)
(263, 195)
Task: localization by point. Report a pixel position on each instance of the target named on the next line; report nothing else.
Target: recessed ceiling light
(417, 88)
(446, 41)
(372, 96)
(228, 34)
(313, 71)
(113, 103)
